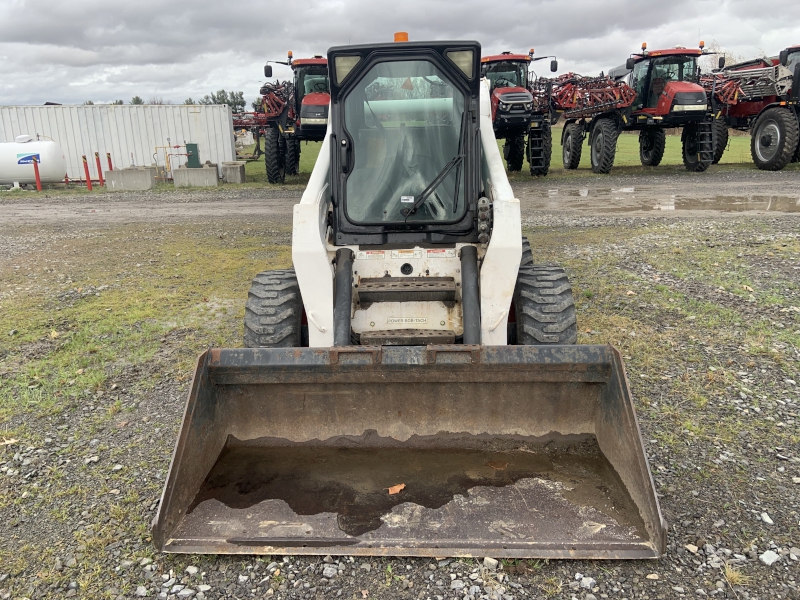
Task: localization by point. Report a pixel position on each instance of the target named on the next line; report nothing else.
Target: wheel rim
(647, 147)
(768, 140)
(597, 147)
(568, 148)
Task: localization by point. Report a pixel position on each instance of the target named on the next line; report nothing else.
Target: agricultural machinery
(520, 110)
(293, 111)
(651, 92)
(761, 96)
(412, 386)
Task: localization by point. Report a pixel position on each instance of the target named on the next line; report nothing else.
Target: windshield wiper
(456, 160)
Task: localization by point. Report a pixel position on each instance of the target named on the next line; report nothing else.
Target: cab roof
(669, 52)
(299, 62)
(505, 57)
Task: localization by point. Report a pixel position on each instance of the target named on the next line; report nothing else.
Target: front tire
(696, 158)
(514, 150)
(603, 146)
(652, 143)
(274, 311)
(292, 156)
(540, 149)
(774, 140)
(720, 131)
(572, 147)
(274, 155)
(544, 307)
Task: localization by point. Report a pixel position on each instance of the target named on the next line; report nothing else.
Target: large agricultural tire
(546, 137)
(572, 147)
(544, 307)
(527, 253)
(274, 155)
(292, 161)
(603, 146)
(652, 143)
(514, 152)
(274, 312)
(719, 129)
(695, 158)
(796, 157)
(774, 139)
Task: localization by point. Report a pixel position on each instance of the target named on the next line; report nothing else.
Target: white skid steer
(413, 385)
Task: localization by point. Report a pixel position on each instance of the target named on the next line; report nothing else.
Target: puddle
(345, 478)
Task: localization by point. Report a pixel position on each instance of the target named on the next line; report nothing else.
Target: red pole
(88, 177)
(99, 168)
(36, 174)
(108, 158)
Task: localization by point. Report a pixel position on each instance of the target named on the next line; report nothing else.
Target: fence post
(36, 174)
(108, 158)
(99, 168)
(88, 177)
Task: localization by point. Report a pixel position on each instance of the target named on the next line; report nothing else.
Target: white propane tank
(16, 161)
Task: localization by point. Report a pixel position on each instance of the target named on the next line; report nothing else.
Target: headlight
(528, 105)
(689, 107)
(504, 106)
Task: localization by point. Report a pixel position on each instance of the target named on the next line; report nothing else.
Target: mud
(353, 482)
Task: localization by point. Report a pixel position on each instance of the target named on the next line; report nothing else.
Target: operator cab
(405, 122)
(506, 73)
(651, 75)
(311, 96)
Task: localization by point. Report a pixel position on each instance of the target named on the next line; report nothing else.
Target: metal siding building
(129, 133)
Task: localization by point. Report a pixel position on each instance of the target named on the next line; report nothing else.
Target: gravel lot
(106, 300)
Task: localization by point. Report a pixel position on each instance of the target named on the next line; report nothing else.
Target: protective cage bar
(515, 451)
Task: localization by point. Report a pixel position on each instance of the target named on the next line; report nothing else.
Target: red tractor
(761, 96)
(295, 111)
(665, 94)
(518, 113)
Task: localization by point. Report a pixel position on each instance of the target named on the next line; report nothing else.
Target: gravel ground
(100, 322)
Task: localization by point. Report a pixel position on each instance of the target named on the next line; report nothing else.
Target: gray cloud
(92, 49)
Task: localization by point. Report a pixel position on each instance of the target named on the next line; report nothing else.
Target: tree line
(233, 99)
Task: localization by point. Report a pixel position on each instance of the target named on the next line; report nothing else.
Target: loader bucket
(513, 451)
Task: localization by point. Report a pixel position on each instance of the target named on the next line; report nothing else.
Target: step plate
(407, 289)
(407, 337)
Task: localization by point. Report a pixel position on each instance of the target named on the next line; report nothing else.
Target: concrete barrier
(233, 172)
(205, 176)
(131, 179)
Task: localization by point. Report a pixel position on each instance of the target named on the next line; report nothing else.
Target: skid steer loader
(413, 385)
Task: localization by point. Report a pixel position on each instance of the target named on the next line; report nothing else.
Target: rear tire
(603, 146)
(720, 132)
(572, 147)
(544, 307)
(527, 253)
(540, 166)
(514, 151)
(651, 146)
(274, 311)
(292, 156)
(774, 139)
(274, 155)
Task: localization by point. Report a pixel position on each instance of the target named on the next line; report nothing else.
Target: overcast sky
(77, 50)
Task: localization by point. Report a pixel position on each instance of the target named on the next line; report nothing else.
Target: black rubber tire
(779, 122)
(572, 147)
(544, 307)
(603, 147)
(719, 130)
(514, 152)
(292, 156)
(547, 151)
(690, 149)
(651, 146)
(796, 157)
(527, 253)
(274, 156)
(274, 311)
